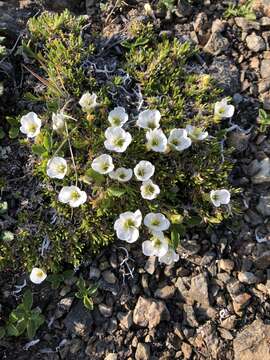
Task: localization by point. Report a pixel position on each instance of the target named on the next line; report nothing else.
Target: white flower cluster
(179, 139)
(117, 140)
(127, 229)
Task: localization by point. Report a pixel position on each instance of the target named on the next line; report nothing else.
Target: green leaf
(116, 191)
(47, 142)
(31, 328)
(55, 280)
(94, 176)
(12, 330)
(2, 332)
(13, 132)
(38, 149)
(14, 122)
(88, 302)
(175, 238)
(93, 289)
(2, 133)
(28, 300)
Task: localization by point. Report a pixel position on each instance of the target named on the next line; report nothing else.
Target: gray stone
(181, 286)
(264, 205)
(240, 302)
(226, 74)
(263, 261)
(255, 43)
(247, 277)
(199, 290)
(111, 356)
(266, 101)
(94, 273)
(216, 44)
(150, 265)
(263, 173)
(226, 265)
(109, 277)
(166, 292)
(149, 312)
(264, 85)
(79, 320)
(201, 22)
(189, 316)
(105, 310)
(263, 6)
(142, 352)
(265, 68)
(265, 21)
(246, 24)
(126, 320)
(253, 342)
(63, 307)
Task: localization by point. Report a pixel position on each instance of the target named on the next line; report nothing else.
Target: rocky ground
(214, 304)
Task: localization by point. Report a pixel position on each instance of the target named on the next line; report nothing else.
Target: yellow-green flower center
(74, 195)
(116, 121)
(155, 222)
(129, 223)
(119, 142)
(32, 128)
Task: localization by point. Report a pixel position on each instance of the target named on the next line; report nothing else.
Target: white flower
(157, 246)
(149, 119)
(144, 170)
(169, 258)
(179, 140)
(117, 139)
(103, 164)
(37, 276)
(88, 101)
(30, 124)
(72, 195)
(196, 133)
(118, 116)
(156, 222)
(121, 174)
(57, 167)
(219, 197)
(149, 190)
(58, 121)
(223, 110)
(126, 226)
(156, 140)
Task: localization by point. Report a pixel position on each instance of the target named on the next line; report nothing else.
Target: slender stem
(71, 154)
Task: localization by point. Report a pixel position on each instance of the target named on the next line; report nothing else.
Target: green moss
(159, 68)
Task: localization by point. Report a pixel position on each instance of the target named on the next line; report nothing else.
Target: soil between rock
(214, 304)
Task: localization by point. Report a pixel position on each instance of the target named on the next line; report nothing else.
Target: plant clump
(126, 145)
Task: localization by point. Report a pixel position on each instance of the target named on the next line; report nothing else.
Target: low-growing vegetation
(148, 73)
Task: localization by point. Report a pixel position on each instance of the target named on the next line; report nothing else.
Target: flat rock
(166, 292)
(263, 173)
(199, 290)
(150, 265)
(79, 320)
(142, 352)
(150, 312)
(264, 205)
(265, 68)
(216, 44)
(253, 343)
(126, 320)
(248, 277)
(226, 74)
(255, 43)
(246, 24)
(263, 6)
(263, 261)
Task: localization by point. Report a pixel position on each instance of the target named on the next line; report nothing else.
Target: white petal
(229, 111)
(149, 195)
(81, 200)
(225, 196)
(156, 140)
(144, 170)
(134, 236)
(64, 195)
(37, 276)
(138, 218)
(118, 116)
(147, 248)
(149, 119)
(163, 249)
(103, 164)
